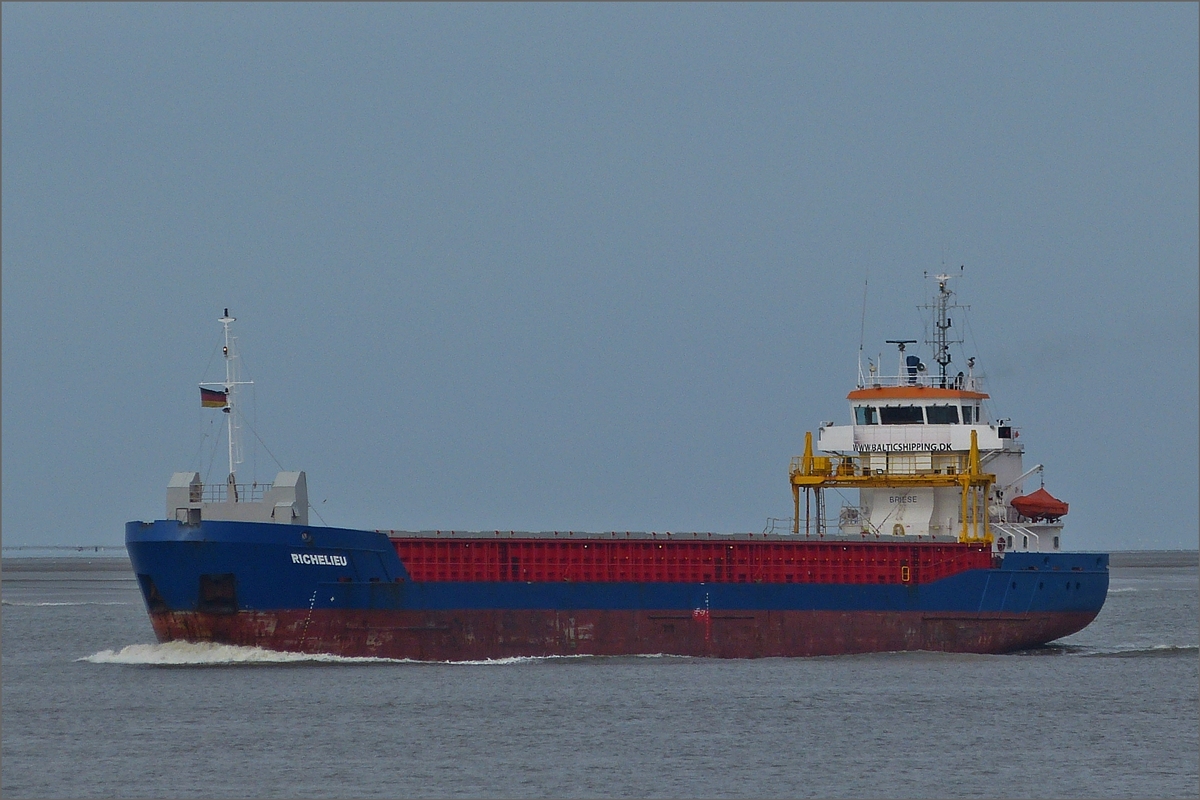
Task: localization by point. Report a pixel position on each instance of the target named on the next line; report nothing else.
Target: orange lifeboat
(1040, 505)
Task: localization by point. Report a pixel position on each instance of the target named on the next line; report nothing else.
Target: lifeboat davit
(1040, 505)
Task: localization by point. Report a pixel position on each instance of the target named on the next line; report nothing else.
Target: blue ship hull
(346, 591)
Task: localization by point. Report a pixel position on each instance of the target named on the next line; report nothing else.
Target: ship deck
(663, 536)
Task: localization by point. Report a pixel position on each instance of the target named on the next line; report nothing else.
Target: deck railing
(973, 383)
(246, 492)
(951, 463)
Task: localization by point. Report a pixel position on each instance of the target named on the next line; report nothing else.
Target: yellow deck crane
(816, 473)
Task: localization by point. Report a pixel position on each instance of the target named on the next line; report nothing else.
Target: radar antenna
(903, 365)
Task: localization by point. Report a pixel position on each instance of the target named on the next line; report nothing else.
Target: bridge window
(901, 415)
(866, 415)
(967, 415)
(942, 415)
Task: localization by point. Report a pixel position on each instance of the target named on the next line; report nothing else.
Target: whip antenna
(862, 330)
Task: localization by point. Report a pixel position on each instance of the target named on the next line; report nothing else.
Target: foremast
(230, 386)
(190, 502)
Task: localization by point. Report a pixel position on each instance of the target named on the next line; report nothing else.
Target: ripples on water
(92, 707)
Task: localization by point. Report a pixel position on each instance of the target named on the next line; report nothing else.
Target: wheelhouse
(916, 406)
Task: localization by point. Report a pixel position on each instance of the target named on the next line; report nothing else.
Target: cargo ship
(935, 546)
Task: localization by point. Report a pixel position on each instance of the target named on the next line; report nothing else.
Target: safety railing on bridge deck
(246, 492)
(969, 383)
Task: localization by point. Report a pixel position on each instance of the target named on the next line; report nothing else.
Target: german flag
(210, 398)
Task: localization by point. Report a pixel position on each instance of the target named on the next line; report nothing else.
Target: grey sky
(587, 267)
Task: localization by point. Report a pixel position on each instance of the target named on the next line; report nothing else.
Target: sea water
(92, 707)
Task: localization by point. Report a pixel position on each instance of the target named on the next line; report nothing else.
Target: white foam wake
(1146, 650)
(1115, 651)
(185, 654)
(508, 660)
(191, 654)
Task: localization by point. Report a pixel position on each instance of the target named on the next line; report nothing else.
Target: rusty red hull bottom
(471, 635)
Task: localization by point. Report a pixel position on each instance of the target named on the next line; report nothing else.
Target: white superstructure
(908, 455)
